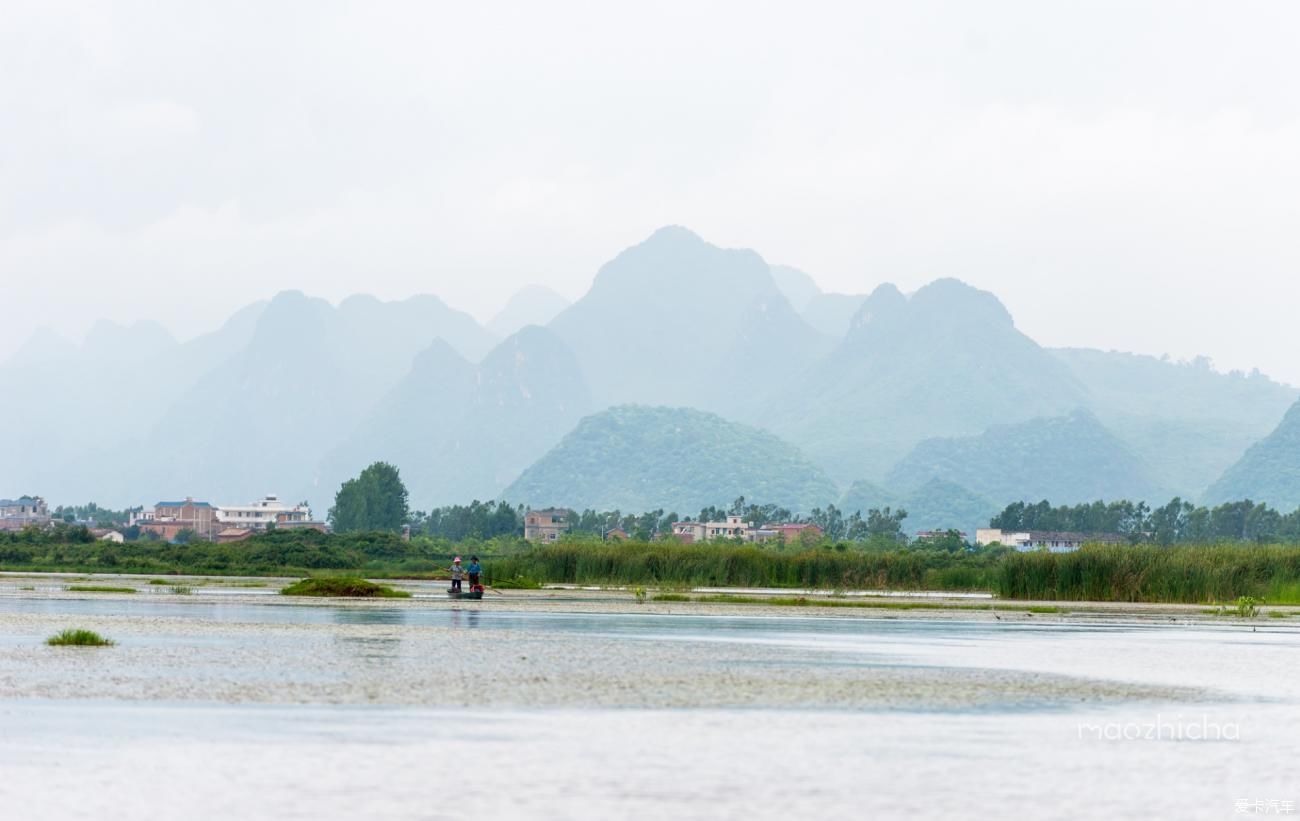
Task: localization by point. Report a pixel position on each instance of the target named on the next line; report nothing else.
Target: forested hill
(1269, 472)
(636, 457)
(1072, 458)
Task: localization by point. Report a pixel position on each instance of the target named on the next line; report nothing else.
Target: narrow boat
(475, 593)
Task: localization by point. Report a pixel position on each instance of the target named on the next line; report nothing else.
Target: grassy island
(78, 638)
(343, 587)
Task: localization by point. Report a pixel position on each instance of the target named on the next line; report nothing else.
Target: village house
(689, 532)
(788, 533)
(264, 513)
(735, 527)
(545, 525)
(25, 511)
(170, 518)
(1051, 541)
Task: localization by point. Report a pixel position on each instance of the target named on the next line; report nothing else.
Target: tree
(375, 500)
(831, 521)
(886, 525)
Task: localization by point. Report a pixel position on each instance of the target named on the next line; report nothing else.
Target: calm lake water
(242, 709)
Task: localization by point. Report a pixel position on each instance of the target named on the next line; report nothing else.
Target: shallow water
(225, 709)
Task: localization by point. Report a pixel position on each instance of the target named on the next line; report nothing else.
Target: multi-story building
(264, 513)
(1051, 541)
(788, 532)
(170, 518)
(25, 511)
(735, 527)
(545, 525)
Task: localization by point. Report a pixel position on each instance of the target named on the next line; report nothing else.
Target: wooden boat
(464, 594)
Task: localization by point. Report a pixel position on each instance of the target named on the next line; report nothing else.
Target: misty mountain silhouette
(933, 396)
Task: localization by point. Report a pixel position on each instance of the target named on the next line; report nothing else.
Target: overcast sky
(1122, 175)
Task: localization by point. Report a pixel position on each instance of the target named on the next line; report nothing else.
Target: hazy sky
(1123, 175)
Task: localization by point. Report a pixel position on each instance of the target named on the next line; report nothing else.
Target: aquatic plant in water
(343, 587)
(78, 638)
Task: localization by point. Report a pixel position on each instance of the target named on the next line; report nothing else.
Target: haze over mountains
(1269, 471)
(687, 375)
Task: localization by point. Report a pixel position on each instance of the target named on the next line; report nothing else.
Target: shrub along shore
(1125, 573)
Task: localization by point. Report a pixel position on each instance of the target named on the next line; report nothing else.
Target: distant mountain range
(825, 312)
(677, 321)
(946, 361)
(687, 375)
(531, 305)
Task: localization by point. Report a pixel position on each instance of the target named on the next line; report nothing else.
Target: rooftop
(1067, 536)
(21, 500)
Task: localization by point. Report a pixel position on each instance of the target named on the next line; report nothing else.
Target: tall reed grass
(714, 565)
(1149, 573)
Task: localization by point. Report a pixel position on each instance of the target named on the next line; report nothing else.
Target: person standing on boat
(456, 574)
(474, 570)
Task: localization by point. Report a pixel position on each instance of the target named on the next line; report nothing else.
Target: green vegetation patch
(78, 638)
(517, 583)
(98, 588)
(806, 601)
(671, 565)
(343, 587)
(1243, 574)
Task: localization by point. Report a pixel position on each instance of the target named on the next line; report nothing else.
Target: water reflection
(465, 618)
(369, 616)
(369, 648)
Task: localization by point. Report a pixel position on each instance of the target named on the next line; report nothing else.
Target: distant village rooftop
(16, 514)
(1050, 540)
(735, 527)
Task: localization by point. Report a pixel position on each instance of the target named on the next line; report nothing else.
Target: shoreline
(703, 601)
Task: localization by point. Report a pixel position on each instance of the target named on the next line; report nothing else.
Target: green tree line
(1178, 522)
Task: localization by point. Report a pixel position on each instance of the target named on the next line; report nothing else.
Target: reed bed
(98, 588)
(337, 586)
(1150, 573)
(663, 564)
